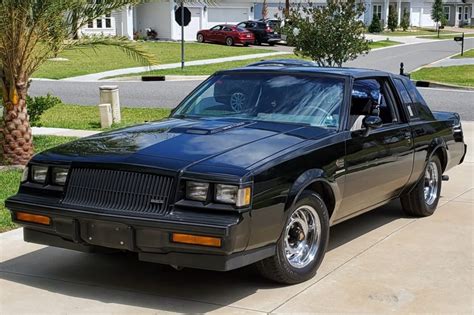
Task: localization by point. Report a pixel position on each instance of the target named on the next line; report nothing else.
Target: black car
(218, 186)
(262, 31)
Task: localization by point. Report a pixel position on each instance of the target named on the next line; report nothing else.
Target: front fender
(310, 177)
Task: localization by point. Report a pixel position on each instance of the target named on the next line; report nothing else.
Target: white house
(160, 15)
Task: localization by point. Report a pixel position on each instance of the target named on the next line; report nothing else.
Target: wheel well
(325, 191)
(439, 152)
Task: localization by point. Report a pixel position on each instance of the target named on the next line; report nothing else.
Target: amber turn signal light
(28, 217)
(196, 240)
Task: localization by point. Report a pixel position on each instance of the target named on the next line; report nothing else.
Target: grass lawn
(446, 36)
(383, 43)
(87, 117)
(455, 75)
(10, 180)
(414, 32)
(211, 68)
(88, 60)
(467, 54)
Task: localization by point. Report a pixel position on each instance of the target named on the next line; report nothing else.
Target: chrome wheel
(302, 237)
(430, 189)
(237, 101)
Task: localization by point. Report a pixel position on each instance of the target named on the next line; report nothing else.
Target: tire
(246, 44)
(285, 269)
(423, 199)
(200, 38)
(229, 41)
(238, 100)
(271, 44)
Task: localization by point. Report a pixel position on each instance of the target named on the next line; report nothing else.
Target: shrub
(329, 35)
(392, 22)
(375, 26)
(38, 105)
(405, 22)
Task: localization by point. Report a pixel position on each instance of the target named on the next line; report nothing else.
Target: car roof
(294, 65)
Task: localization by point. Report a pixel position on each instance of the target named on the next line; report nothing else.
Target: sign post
(182, 16)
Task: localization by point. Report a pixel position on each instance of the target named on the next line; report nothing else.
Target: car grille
(118, 191)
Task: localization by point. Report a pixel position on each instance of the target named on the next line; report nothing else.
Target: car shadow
(122, 279)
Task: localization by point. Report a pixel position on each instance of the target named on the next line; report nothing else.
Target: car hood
(177, 144)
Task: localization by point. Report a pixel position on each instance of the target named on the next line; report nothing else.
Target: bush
(392, 22)
(329, 35)
(405, 22)
(375, 26)
(38, 105)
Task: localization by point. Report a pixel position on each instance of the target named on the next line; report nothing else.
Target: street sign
(179, 18)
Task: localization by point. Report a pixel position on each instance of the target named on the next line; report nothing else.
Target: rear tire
(229, 41)
(423, 199)
(271, 44)
(302, 244)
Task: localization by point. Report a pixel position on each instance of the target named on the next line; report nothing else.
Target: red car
(226, 34)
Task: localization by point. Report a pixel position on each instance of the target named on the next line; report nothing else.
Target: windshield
(286, 98)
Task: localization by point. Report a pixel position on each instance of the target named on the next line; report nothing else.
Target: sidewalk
(42, 131)
(118, 72)
(447, 62)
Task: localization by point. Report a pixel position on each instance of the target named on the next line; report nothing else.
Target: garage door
(227, 15)
(426, 17)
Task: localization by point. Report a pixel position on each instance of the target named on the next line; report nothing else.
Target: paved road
(169, 94)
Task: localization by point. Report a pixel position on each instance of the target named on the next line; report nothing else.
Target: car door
(214, 33)
(225, 32)
(378, 165)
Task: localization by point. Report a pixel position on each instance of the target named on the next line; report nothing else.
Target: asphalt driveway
(379, 262)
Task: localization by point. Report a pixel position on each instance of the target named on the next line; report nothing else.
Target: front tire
(302, 244)
(229, 41)
(423, 199)
(200, 38)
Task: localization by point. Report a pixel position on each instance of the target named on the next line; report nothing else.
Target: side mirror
(371, 122)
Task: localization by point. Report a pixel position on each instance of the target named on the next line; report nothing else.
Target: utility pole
(182, 34)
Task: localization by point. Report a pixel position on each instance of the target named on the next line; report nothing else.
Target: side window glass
(406, 98)
(419, 103)
(227, 29)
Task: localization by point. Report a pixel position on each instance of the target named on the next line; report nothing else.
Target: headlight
(24, 177)
(38, 173)
(233, 195)
(197, 191)
(60, 175)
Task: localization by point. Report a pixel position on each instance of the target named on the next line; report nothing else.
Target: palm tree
(33, 31)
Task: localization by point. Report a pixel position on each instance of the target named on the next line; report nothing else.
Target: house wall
(155, 15)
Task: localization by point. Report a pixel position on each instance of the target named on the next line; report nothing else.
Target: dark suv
(263, 32)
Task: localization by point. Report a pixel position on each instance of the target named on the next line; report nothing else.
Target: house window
(99, 23)
(459, 13)
(108, 21)
(447, 12)
(378, 11)
(466, 13)
(90, 24)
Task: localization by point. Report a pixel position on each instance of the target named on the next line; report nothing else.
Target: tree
(405, 22)
(287, 9)
(375, 26)
(32, 32)
(437, 14)
(264, 9)
(329, 35)
(392, 22)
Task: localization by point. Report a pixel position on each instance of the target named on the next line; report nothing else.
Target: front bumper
(149, 238)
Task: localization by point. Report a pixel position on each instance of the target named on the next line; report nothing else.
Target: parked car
(277, 25)
(226, 34)
(262, 31)
(219, 187)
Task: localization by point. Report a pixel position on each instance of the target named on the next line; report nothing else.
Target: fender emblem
(157, 201)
